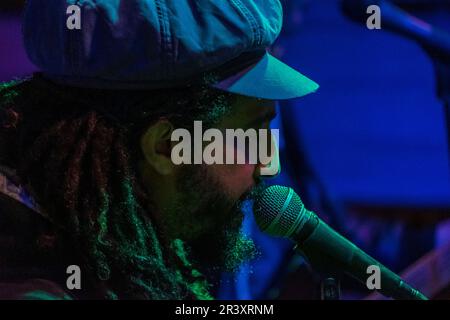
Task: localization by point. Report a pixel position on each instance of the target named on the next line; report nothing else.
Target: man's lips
(253, 191)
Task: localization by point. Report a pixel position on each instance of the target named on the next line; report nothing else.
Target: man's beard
(210, 221)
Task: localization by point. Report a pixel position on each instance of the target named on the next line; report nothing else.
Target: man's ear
(156, 146)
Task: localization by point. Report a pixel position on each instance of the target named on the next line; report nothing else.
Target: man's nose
(272, 168)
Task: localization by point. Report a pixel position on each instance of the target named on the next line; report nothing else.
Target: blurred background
(368, 152)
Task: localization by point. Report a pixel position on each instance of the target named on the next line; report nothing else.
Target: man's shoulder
(32, 289)
(32, 262)
(21, 229)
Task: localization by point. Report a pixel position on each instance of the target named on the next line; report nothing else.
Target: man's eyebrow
(268, 116)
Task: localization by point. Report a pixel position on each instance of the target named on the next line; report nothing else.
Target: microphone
(398, 20)
(279, 211)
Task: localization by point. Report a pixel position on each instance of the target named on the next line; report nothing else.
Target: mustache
(254, 192)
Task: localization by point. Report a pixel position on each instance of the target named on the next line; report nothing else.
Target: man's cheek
(235, 178)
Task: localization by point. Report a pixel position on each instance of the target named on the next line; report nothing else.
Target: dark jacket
(33, 263)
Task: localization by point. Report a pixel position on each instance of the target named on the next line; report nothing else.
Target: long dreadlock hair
(77, 150)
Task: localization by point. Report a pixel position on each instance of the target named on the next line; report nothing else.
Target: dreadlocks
(77, 150)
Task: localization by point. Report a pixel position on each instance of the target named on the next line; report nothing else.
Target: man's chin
(217, 243)
(223, 249)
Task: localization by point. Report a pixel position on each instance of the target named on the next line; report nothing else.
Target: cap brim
(269, 79)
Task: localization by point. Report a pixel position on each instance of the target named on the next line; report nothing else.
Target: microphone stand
(330, 288)
(442, 71)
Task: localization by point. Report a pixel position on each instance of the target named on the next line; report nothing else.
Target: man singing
(85, 145)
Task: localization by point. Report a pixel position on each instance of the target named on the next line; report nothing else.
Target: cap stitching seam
(165, 35)
(170, 41)
(256, 39)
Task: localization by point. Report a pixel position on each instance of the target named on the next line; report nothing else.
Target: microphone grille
(278, 211)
